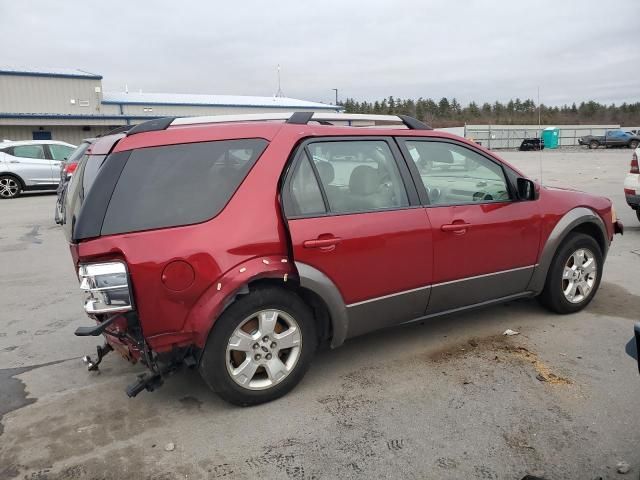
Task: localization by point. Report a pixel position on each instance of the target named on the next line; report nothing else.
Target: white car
(31, 165)
(632, 184)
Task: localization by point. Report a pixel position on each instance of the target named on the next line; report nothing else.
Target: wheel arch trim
(313, 279)
(221, 293)
(569, 222)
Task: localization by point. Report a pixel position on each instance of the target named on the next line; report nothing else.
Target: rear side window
(29, 151)
(178, 184)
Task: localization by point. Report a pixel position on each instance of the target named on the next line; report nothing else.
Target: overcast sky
(472, 50)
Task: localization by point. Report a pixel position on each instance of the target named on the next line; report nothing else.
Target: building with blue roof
(70, 104)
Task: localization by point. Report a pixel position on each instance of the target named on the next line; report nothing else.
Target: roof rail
(122, 129)
(294, 118)
(151, 125)
(302, 118)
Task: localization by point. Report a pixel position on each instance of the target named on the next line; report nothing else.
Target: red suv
(239, 244)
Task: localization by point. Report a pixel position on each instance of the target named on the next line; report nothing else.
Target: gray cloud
(471, 50)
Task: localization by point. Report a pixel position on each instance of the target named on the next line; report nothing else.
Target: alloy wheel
(264, 349)
(9, 187)
(579, 275)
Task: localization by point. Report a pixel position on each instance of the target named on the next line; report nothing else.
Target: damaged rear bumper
(122, 333)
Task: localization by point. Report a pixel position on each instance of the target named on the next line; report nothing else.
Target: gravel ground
(451, 398)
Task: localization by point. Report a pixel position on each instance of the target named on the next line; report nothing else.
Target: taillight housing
(106, 286)
(69, 168)
(634, 164)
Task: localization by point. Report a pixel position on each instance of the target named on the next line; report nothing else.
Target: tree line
(447, 113)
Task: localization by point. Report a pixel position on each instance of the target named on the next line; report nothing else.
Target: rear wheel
(574, 275)
(593, 144)
(10, 187)
(260, 347)
(633, 144)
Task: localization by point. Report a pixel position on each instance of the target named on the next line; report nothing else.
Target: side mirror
(526, 189)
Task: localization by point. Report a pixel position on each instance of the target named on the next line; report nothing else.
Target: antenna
(540, 134)
(279, 93)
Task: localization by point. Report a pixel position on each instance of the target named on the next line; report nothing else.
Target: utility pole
(336, 90)
(279, 94)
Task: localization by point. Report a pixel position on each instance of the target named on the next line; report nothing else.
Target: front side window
(454, 175)
(358, 176)
(178, 184)
(60, 152)
(29, 151)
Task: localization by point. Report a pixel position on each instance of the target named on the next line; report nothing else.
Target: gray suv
(31, 165)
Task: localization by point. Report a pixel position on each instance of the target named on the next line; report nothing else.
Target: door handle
(14, 161)
(455, 227)
(322, 242)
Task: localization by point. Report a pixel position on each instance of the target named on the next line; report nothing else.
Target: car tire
(638, 214)
(570, 284)
(633, 144)
(593, 144)
(242, 361)
(10, 187)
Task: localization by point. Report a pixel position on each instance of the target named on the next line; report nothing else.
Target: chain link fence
(501, 136)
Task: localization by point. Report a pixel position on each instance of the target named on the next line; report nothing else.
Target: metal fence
(497, 137)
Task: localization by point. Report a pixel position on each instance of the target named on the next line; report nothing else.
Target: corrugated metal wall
(33, 94)
(70, 134)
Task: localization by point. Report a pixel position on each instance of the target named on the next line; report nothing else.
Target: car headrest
(364, 180)
(441, 153)
(326, 172)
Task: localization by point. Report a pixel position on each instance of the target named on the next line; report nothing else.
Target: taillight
(634, 164)
(69, 168)
(106, 286)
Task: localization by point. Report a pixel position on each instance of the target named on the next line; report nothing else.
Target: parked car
(611, 138)
(632, 184)
(66, 171)
(531, 144)
(31, 165)
(237, 244)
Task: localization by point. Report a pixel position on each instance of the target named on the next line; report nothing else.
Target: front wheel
(10, 187)
(574, 275)
(593, 144)
(260, 347)
(633, 144)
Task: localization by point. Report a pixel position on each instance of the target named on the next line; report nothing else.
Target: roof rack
(295, 118)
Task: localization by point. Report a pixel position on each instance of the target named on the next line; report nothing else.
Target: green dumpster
(551, 137)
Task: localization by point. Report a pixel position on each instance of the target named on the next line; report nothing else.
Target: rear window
(77, 189)
(178, 184)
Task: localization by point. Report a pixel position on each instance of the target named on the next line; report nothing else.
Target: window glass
(453, 174)
(178, 184)
(91, 167)
(306, 198)
(60, 152)
(28, 151)
(358, 176)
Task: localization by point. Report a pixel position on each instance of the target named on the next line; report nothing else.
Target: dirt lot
(451, 398)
